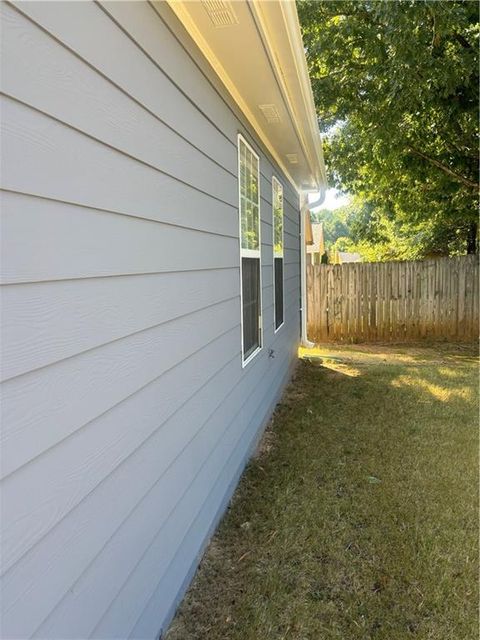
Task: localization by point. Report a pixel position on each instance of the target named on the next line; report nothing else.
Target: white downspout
(306, 206)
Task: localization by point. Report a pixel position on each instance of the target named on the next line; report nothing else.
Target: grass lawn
(358, 518)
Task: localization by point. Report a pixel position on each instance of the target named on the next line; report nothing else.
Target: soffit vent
(270, 112)
(292, 158)
(220, 12)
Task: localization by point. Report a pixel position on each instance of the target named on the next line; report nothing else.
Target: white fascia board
(289, 10)
(298, 98)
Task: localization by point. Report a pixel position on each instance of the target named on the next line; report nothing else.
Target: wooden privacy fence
(393, 301)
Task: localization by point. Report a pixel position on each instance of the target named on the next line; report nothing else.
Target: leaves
(396, 90)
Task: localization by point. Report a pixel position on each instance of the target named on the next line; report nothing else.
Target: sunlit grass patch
(440, 392)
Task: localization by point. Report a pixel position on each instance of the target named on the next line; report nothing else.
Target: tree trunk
(472, 238)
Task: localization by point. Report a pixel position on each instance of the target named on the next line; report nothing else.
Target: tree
(334, 224)
(359, 227)
(396, 90)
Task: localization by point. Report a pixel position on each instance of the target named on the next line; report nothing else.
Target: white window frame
(250, 253)
(278, 254)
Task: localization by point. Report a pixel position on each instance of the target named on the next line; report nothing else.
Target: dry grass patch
(358, 517)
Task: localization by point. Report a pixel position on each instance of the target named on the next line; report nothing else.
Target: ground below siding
(358, 517)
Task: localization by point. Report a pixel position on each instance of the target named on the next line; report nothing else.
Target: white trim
(250, 357)
(249, 253)
(281, 255)
(275, 331)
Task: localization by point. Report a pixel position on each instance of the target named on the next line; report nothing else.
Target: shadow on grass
(358, 519)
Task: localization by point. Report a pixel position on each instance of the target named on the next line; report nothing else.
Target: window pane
(243, 222)
(255, 181)
(248, 225)
(254, 244)
(249, 199)
(242, 180)
(248, 178)
(278, 292)
(243, 169)
(278, 217)
(249, 175)
(251, 305)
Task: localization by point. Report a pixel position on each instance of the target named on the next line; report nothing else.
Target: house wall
(127, 416)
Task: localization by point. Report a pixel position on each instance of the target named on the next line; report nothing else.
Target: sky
(333, 200)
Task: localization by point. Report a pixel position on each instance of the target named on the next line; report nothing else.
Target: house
(316, 249)
(156, 161)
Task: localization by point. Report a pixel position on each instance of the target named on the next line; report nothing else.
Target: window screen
(251, 305)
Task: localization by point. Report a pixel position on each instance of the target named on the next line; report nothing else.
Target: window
(250, 244)
(277, 206)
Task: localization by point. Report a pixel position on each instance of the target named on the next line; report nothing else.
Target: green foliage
(396, 90)
(369, 230)
(334, 224)
(277, 218)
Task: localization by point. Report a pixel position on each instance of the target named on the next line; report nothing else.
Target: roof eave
(297, 94)
(277, 24)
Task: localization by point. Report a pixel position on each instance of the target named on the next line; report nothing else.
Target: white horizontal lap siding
(62, 477)
(126, 414)
(42, 72)
(155, 465)
(94, 38)
(47, 322)
(78, 236)
(130, 576)
(50, 159)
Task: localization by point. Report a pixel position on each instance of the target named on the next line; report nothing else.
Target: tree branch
(462, 40)
(445, 169)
